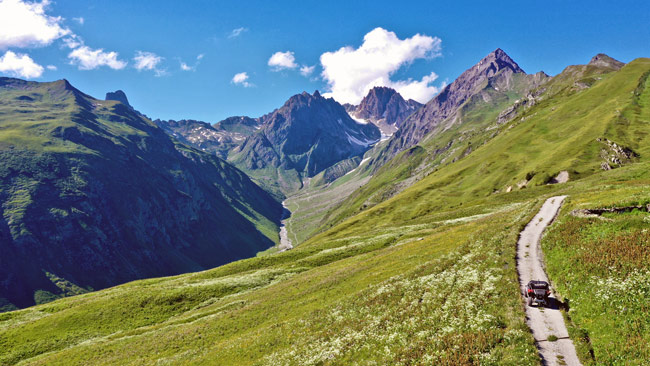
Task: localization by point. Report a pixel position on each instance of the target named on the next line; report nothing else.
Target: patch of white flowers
(622, 293)
(390, 317)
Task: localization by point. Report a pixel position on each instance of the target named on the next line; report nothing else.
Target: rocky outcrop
(603, 60)
(119, 96)
(615, 155)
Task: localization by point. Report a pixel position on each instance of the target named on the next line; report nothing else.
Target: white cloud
(148, 61)
(241, 79)
(307, 70)
(282, 60)
(237, 32)
(20, 65)
(25, 24)
(79, 20)
(51, 67)
(420, 91)
(88, 59)
(350, 73)
(73, 41)
(186, 67)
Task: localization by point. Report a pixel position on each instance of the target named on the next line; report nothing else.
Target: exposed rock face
(615, 155)
(100, 196)
(384, 107)
(119, 96)
(307, 134)
(603, 60)
(526, 102)
(496, 68)
(220, 138)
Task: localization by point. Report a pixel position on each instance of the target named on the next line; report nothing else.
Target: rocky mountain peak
(119, 96)
(498, 60)
(602, 59)
(384, 107)
(306, 135)
(497, 66)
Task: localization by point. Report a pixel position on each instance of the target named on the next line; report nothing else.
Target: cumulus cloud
(20, 65)
(350, 73)
(241, 79)
(237, 32)
(282, 60)
(51, 67)
(148, 61)
(79, 20)
(88, 59)
(25, 24)
(307, 70)
(419, 90)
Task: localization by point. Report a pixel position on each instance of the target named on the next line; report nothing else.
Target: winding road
(547, 324)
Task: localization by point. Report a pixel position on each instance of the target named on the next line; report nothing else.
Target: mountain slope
(443, 106)
(398, 283)
(466, 116)
(93, 194)
(305, 136)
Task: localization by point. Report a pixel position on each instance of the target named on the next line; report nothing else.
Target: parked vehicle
(538, 292)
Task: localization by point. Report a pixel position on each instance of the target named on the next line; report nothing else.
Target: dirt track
(544, 322)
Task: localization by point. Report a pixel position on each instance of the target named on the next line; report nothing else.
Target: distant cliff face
(93, 194)
(306, 135)
(384, 107)
(220, 138)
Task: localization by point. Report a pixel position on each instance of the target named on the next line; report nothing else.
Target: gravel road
(544, 322)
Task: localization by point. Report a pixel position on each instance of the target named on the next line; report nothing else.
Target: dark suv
(537, 292)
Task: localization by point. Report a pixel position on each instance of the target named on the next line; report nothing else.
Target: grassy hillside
(93, 194)
(568, 118)
(472, 125)
(391, 294)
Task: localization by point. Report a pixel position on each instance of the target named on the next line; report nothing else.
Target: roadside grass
(601, 266)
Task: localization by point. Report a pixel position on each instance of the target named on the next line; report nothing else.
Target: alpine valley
(400, 224)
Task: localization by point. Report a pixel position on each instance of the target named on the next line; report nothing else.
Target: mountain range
(393, 238)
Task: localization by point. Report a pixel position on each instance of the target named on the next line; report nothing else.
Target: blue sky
(453, 35)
